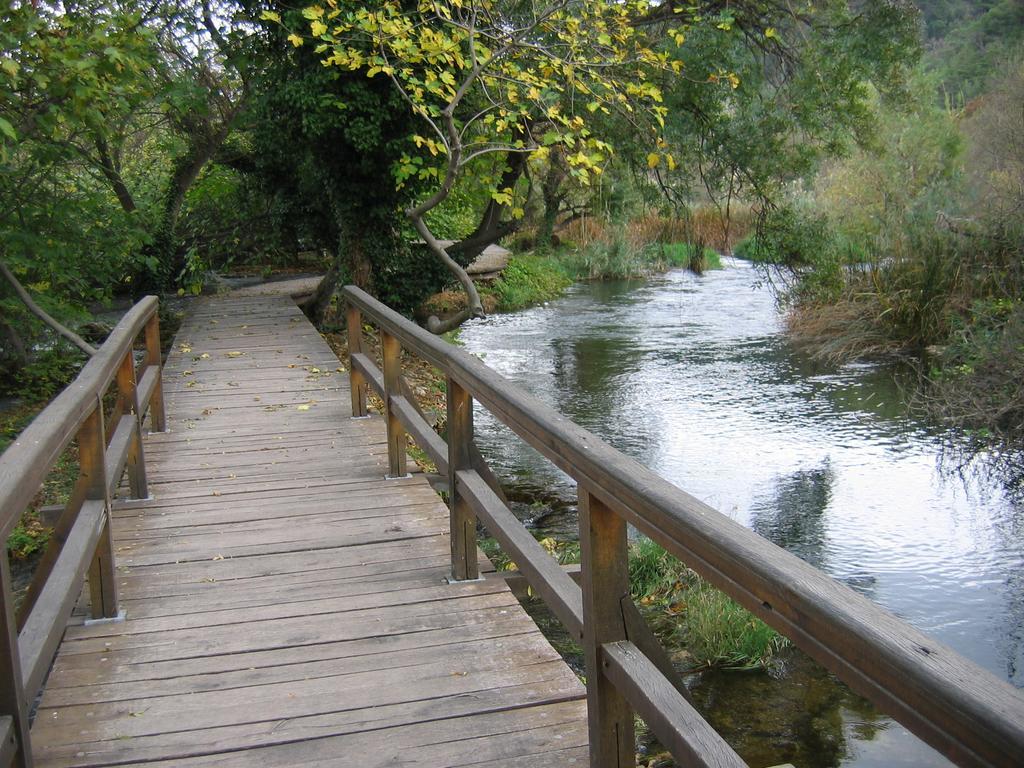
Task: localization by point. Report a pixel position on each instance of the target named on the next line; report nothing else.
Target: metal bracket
(406, 476)
(119, 619)
(450, 580)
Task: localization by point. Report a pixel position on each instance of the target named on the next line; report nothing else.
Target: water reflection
(794, 515)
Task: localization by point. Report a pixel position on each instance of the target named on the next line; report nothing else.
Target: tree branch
(41, 313)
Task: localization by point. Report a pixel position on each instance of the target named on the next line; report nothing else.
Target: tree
(493, 79)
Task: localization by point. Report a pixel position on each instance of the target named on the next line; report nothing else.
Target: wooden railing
(102, 413)
(966, 713)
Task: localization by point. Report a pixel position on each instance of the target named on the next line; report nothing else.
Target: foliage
(689, 256)
(492, 79)
(801, 84)
(616, 259)
(47, 374)
(529, 280)
(28, 538)
(714, 629)
(972, 39)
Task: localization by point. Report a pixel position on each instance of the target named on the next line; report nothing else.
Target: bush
(47, 373)
(529, 280)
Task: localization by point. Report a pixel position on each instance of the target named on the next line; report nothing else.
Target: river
(693, 376)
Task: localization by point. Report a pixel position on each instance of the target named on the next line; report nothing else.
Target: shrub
(527, 280)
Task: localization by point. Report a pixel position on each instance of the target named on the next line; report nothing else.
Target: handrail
(965, 712)
(109, 444)
(26, 462)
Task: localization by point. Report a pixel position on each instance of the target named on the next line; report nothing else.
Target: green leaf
(8, 130)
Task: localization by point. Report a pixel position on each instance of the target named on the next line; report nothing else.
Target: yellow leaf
(235, 354)
(270, 16)
(295, 40)
(653, 160)
(317, 28)
(303, 407)
(770, 33)
(671, 162)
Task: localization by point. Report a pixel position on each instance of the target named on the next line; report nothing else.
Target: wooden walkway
(286, 604)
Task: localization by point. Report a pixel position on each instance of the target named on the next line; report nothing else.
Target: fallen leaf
(304, 407)
(235, 354)
(218, 557)
(186, 373)
(216, 493)
(204, 356)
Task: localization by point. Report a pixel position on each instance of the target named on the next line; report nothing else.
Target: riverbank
(533, 278)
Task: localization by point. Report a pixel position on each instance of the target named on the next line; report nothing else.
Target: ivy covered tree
(493, 79)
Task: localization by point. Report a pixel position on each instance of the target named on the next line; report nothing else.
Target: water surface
(693, 377)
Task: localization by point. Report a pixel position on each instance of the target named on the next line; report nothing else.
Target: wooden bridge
(267, 585)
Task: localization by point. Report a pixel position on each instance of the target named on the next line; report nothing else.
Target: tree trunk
(316, 306)
(492, 227)
(550, 193)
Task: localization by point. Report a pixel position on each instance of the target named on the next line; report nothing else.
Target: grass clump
(529, 279)
(714, 629)
(614, 259)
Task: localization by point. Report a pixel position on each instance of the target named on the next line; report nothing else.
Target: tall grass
(615, 259)
(689, 256)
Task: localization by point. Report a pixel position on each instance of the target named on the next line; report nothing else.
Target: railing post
(92, 460)
(354, 327)
(605, 581)
(157, 414)
(129, 397)
(391, 352)
(12, 695)
(461, 517)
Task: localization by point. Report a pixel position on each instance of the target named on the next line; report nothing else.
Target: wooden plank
(8, 741)
(452, 742)
(116, 456)
(462, 515)
(285, 602)
(44, 626)
(13, 698)
(545, 575)
(672, 718)
(294, 730)
(426, 438)
(605, 584)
